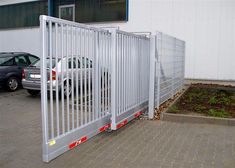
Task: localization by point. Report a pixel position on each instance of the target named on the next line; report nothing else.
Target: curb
(197, 119)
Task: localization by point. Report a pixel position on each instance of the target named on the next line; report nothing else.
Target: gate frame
(117, 121)
(52, 148)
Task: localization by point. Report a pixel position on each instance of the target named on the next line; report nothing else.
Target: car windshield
(6, 61)
(38, 63)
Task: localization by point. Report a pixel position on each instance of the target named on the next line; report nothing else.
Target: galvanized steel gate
(94, 79)
(130, 76)
(89, 75)
(75, 84)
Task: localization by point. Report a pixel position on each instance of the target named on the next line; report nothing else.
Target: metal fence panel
(75, 84)
(167, 77)
(130, 76)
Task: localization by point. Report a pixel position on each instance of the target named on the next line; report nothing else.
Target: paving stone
(148, 144)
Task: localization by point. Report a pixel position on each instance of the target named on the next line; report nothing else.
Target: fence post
(152, 78)
(183, 63)
(113, 78)
(173, 69)
(158, 68)
(43, 69)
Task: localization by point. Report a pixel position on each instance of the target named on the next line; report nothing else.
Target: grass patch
(209, 100)
(173, 109)
(218, 113)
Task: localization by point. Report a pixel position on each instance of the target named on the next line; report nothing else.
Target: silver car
(31, 78)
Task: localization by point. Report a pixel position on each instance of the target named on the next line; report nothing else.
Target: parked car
(11, 65)
(32, 78)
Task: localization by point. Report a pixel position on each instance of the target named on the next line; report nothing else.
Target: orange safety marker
(122, 124)
(105, 127)
(78, 142)
(138, 114)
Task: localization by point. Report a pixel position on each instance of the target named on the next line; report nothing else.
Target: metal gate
(94, 79)
(75, 84)
(130, 76)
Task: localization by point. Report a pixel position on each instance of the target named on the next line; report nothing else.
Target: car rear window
(38, 63)
(6, 61)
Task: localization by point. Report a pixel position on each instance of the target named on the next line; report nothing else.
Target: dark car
(11, 66)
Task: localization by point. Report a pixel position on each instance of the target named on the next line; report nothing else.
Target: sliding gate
(130, 76)
(75, 84)
(91, 80)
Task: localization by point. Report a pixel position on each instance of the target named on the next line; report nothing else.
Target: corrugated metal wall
(207, 26)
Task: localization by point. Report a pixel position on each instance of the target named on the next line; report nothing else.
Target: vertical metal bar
(50, 75)
(117, 72)
(85, 74)
(44, 109)
(109, 73)
(93, 74)
(81, 75)
(152, 77)
(67, 77)
(62, 78)
(132, 47)
(129, 71)
(122, 75)
(120, 72)
(127, 91)
(77, 69)
(158, 69)
(104, 71)
(113, 78)
(57, 88)
(125, 72)
(72, 73)
(89, 75)
(99, 76)
(120, 48)
(96, 79)
(102, 74)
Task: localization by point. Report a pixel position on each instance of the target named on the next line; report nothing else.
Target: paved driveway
(139, 144)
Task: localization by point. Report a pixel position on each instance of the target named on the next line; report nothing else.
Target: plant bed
(206, 100)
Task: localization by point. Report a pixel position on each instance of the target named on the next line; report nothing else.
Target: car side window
(21, 61)
(85, 61)
(70, 64)
(78, 63)
(6, 61)
(74, 63)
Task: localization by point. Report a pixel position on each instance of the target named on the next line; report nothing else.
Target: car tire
(33, 92)
(12, 83)
(65, 89)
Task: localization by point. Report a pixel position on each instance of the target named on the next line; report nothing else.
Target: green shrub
(218, 113)
(213, 100)
(225, 101)
(199, 108)
(173, 109)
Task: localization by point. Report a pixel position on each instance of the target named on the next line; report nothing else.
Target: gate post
(113, 78)
(152, 78)
(43, 72)
(158, 69)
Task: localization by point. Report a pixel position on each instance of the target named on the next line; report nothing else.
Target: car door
(74, 68)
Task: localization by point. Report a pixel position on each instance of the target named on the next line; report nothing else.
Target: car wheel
(12, 84)
(69, 89)
(33, 92)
